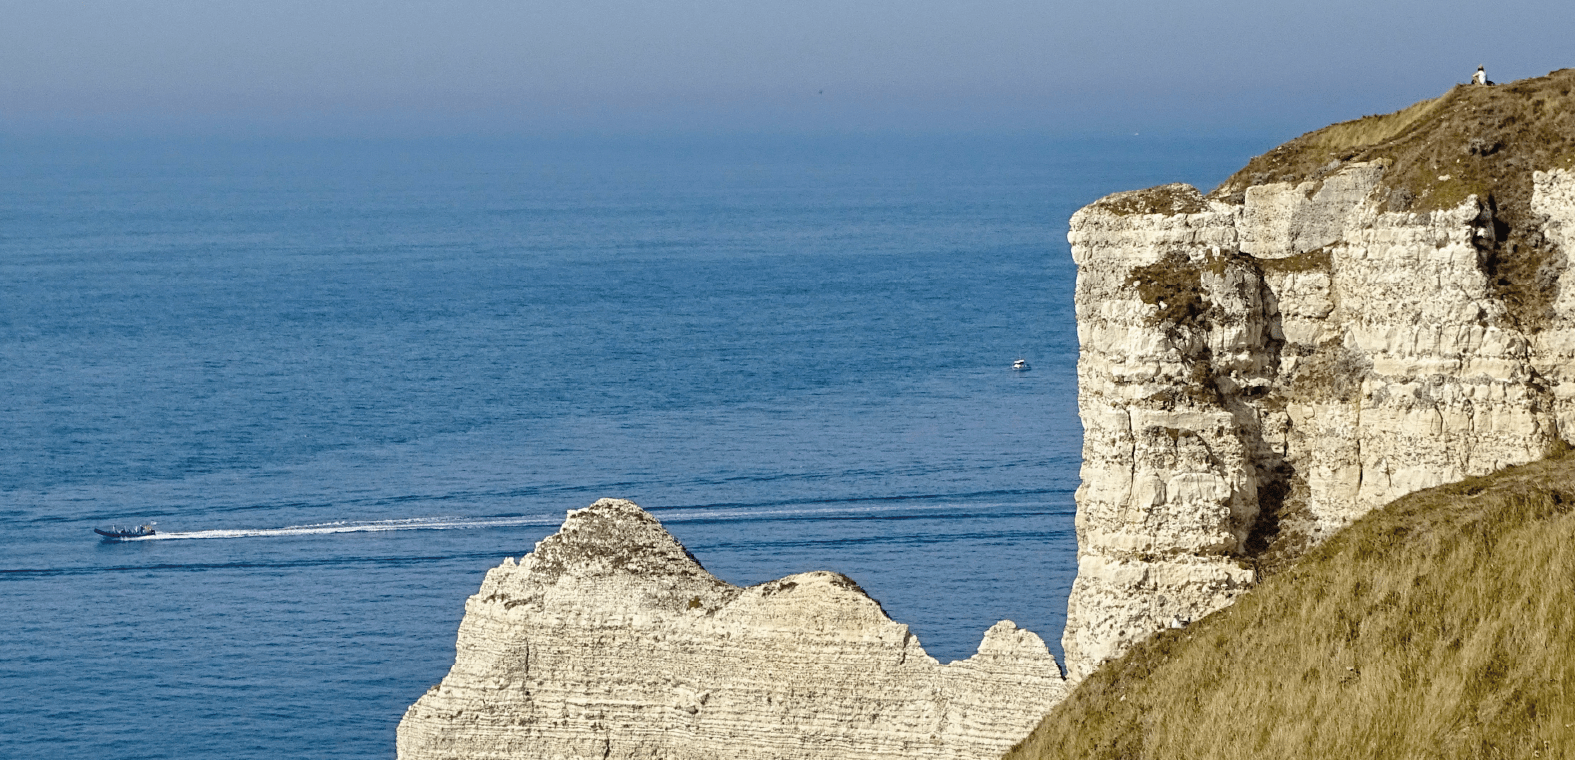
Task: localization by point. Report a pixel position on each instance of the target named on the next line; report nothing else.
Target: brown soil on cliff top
(1437, 627)
(1484, 140)
(1172, 199)
(1473, 140)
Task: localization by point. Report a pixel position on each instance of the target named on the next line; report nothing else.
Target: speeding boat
(1021, 365)
(121, 534)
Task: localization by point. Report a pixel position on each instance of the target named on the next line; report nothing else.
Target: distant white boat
(1021, 365)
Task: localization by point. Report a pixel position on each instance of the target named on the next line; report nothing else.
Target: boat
(121, 534)
(1021, 365)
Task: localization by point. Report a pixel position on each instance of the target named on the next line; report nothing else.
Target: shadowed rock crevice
(1281, 533)
(1522, 265)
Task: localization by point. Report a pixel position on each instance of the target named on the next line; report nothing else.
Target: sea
(346, 377)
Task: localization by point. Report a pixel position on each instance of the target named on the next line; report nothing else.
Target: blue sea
(348, 377)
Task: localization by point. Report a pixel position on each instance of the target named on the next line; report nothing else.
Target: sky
(519, 66)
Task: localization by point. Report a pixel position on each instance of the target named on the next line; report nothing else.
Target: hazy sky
(521, 66)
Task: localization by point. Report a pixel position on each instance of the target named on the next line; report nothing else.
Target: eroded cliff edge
(609, 640)
(1372, 309)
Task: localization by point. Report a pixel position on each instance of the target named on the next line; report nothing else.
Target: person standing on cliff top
(1480, 77)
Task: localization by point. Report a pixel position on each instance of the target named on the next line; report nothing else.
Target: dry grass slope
(1442, 626)
(1484, 140)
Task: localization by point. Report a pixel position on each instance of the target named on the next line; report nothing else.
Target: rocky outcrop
(1260, 368)
(611, 641)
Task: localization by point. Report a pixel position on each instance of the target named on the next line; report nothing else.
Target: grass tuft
(1441, 626)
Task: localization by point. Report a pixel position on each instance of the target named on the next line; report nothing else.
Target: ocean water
(348, 377)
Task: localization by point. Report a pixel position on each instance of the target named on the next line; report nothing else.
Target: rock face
(1258, 371)
(611, 641)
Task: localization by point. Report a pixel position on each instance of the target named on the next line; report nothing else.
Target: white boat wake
(471, 523)
(375, 526)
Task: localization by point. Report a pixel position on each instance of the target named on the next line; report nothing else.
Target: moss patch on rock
(1316, 260)
(1332, 373)
(1175, 286)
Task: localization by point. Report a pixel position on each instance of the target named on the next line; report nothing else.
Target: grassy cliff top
(1473, 140)
(1441, 626)
(1485, 140)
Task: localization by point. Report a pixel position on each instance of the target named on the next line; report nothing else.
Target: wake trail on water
(728, 513)
(376, 526)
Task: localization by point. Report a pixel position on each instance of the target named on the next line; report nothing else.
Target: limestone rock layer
(611, 641)
(1254, 375)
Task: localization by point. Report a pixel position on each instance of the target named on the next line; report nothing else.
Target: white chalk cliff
(1266, 371)
(610, 641)
(1370, 309)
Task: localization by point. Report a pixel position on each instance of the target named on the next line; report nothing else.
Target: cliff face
(611, 641)
(1325, 333)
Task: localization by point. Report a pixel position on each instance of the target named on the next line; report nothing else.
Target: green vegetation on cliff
(1441, 626)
